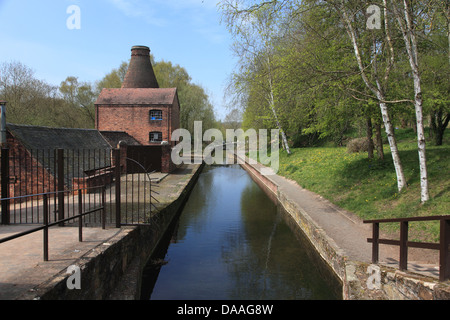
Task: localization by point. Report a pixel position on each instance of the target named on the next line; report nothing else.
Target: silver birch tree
(377, 89)
(405, 23)
(253, 31)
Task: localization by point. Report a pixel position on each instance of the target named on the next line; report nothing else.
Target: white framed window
(156, 115)
(155, 136)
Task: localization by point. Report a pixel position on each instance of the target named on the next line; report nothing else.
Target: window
(155, 115)
(155, 136)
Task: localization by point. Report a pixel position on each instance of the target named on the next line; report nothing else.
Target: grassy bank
(368, 187)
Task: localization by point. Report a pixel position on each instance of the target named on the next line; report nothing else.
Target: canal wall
(148, 238)
(112, 271)
(357, 282)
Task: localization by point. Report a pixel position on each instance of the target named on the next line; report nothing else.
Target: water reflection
(232, 242)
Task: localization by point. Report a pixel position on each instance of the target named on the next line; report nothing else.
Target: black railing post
(45, 227)
(117, 172)
(104, 207)
(80, 213)
(60, 170)
(444, 257)
(5, 185)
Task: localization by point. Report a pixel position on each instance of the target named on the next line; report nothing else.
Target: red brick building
(140, 108)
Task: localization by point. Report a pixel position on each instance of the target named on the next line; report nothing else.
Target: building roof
(84, 149)
(116, 137)
(137, 96)
(43, 138)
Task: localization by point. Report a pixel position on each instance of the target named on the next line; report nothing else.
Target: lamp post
(3, 123)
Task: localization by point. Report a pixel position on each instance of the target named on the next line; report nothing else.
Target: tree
(79, 95)
(21, 89)
(34, 102)
(378, 88)
(253, 31)
(114, 79)
(408, 30)
(313, 74)
(193, 99)
(434, 47)
(233, 119)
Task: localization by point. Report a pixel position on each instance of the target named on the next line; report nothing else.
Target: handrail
(51, 192)
(443, 246)
(46, 223)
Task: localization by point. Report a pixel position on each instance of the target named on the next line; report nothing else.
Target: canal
(231, 242)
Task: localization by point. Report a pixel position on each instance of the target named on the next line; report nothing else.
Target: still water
(231, 242)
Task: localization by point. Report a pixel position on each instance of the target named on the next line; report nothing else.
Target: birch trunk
(272, 107)
(379, 93)
(411, 49)
(283, 135)
(401, 181)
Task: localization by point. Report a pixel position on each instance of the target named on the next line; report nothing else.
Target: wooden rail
(443, 246)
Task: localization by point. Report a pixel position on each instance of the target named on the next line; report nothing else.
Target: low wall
(393, 284)
(113, 270)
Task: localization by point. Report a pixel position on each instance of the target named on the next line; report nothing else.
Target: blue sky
(185, 32)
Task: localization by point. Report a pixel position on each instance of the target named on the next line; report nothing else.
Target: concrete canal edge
(357, 283)
(112, 271)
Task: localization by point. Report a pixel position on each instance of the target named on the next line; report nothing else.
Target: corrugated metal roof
(137, 96)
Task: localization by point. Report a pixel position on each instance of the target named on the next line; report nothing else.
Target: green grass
(368, 187)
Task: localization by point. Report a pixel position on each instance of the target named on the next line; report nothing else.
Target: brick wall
(175, 117)
(167, 165)
(27, 176)
(135, 120)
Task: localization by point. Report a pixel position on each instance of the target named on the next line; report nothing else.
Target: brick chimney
(140, 71)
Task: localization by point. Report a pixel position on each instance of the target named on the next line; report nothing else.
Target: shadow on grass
(364, 172)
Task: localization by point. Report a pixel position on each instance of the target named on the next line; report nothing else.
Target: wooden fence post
(444, 259)
(375, 243)
(403, 245)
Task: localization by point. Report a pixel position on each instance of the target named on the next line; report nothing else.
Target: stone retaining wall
(357, 282)
(113, 270)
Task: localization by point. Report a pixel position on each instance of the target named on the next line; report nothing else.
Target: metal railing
(443, 246)
(47, 224)
(27, 174)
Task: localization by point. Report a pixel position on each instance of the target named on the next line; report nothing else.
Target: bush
(358, 145)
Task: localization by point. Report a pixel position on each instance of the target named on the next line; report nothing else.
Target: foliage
(358, 145)
(316, 82)
(33, 101)
(329, 71)
(367, 187)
